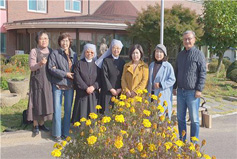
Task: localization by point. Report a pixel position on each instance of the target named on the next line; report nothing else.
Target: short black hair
(136, 46)
(39, 34)
(63, 36)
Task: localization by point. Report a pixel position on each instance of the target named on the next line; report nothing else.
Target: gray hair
(189, 31)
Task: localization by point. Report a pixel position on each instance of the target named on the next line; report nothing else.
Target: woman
(135, 73)
(86, 80)
(40, 105)
(161, 77)
(61, 63)
(111, 71)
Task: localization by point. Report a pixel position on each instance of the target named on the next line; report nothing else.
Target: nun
(87, 83)
(111, 71)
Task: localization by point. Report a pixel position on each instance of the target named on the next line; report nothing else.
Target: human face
(188, 41)
(89, 54)
(159, 55)
(116, 50)
(43, 41)
(65, 43)
(136, 55)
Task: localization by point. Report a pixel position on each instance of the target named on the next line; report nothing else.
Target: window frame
(37, 11)
(4, 5)
(71, 2)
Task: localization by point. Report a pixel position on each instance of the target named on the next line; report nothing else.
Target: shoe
(35, 130)
(63, 137)
(57, 139)
(43, 128)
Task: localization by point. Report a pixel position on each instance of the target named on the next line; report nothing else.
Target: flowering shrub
(136, 128)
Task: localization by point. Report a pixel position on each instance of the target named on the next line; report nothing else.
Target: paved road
(221, 141)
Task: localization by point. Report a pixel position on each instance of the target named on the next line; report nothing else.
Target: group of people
(57, 73)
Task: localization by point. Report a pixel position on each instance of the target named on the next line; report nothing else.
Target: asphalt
(221, 138)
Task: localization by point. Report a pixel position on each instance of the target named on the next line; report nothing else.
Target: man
(190, 75)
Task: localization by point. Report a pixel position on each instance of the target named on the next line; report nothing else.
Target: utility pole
(162, 22)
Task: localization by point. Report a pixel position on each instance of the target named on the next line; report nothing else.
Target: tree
(220, 31)
(146, 29)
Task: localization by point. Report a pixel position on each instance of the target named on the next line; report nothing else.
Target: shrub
(3, 59)
(212, 67)
(136, 128)
(233, 75)
(3, 84)
(227, 63)
(20, 60)
(231, 67)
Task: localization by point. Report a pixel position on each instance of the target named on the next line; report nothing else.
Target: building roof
(110, 15)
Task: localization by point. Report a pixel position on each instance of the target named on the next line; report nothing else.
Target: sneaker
(35, 130)
(43, 128)
(63, 137)
(57, 139)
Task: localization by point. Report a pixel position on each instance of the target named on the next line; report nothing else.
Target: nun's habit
(111, 72)
(86, 74)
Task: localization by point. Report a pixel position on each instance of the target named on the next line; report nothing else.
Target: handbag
(205, 116)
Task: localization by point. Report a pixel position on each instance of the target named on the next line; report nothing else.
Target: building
(86, 20)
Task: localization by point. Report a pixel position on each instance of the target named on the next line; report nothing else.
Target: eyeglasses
(187, 39)
(43, 39)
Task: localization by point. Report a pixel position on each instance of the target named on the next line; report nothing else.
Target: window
(73, 6)
(3, 42)
(3, 4)
(37, 6)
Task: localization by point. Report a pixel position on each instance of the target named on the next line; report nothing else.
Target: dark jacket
(59, 60)
(190, 70)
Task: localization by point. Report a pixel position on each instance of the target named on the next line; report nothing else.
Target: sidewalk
(221, 141)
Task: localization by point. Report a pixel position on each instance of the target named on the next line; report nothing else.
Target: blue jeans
(57, 131)
(186, 100)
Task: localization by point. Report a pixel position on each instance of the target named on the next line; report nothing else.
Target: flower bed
(136, 128)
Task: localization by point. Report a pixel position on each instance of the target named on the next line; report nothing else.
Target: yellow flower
(83, 119)
(59, 147)
(139, 91)
(168, 145)
(173, 136)
(91, 131)
(146, 102)
(118, 143)
(116, 101)
(88, 122)
(179, 143)
(130, 100)
(119, 118)
(106, 119)
(192, 147)
(194, 138)
(121, 103)
(128, 105)
(162, 118)
(154, 97)
(132, 110)
(199, 154)
(122, 97)
(159, 95)
(152, 147)
(146, 123)
(203, 142)
(113, 99)
(154, 126)
(91, 140)
(98, 107)
(206, 156)
(143, 154)
(163, 135)
(93, 116)
(165, 103)
(139, 146)
(132, 151)
(76, 124)
(160, 108)
(68, 139)
(175, 130)
(147, 112)
(64, 143)
(56, 153)
(138, 99)
(102, 129)
(169, 128)
(145, 91)
(55, 145)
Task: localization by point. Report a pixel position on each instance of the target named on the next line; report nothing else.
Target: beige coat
(132, 81)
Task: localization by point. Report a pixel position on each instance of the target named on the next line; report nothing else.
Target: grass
(218, 87)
